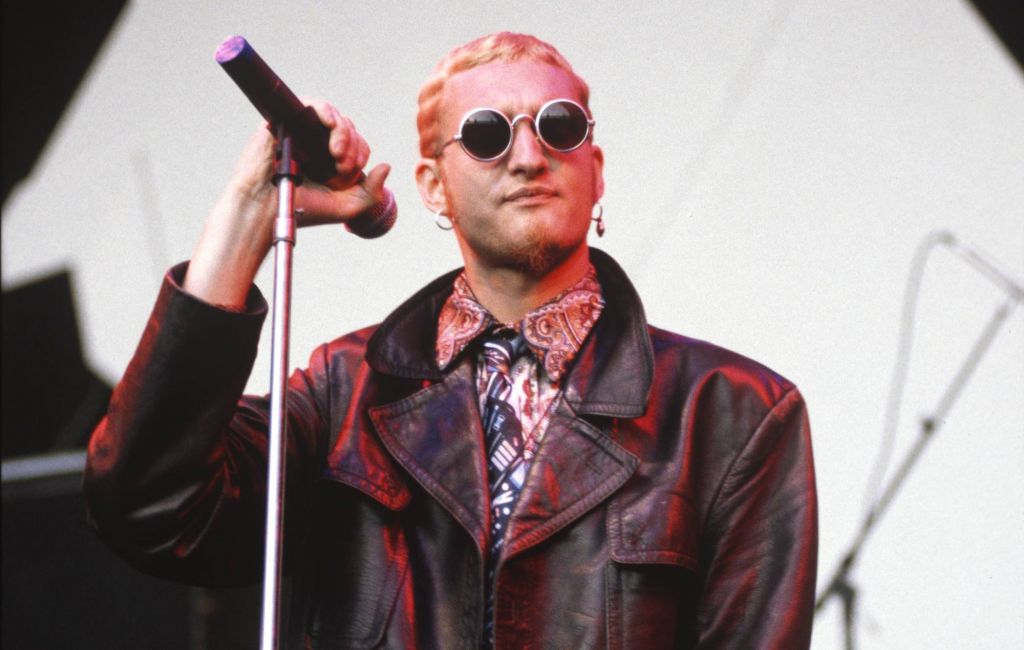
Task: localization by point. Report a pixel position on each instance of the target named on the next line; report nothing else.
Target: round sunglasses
(486, 134)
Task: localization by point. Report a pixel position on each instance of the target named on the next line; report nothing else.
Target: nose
(527, 155)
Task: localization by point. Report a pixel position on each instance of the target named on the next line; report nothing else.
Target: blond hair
(502, 47)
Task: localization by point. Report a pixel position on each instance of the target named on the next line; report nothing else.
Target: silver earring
(599, 220)
(443, 221)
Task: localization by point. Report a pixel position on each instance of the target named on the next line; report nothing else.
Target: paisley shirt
(554, 333)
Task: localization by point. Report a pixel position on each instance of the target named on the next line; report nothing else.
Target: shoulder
(347, 349)
(708, 371)
(736, 413)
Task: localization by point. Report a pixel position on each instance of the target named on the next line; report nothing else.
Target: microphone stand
(287, 176)
(840, 585)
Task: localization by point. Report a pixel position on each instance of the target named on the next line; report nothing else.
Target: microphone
(279, 106)
(985, 265)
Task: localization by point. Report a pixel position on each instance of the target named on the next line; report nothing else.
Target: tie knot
(502, 347)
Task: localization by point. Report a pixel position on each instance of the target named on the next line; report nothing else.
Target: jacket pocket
(651, 582)
(650, 606)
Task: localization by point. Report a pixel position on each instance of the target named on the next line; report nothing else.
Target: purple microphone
(280, 107)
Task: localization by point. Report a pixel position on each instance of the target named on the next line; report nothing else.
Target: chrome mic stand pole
(286, 177)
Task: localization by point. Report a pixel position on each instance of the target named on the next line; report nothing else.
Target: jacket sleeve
(176, 471)
(763, 539)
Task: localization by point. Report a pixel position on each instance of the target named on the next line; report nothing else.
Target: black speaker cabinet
(62, 588)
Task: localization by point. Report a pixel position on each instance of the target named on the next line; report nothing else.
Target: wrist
(235, 240)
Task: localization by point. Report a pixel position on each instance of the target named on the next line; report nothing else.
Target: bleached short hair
(502, 47)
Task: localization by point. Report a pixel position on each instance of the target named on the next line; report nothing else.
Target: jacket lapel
(575, 468)
(436, 435)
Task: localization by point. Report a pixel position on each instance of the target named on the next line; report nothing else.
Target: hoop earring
(443, 221)
(599, 220)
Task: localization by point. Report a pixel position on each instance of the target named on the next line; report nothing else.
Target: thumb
(323, 205)
(374, 183)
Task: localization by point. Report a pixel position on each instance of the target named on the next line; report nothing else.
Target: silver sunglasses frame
(512, 129)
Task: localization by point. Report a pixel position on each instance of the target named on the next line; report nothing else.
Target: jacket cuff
(188, 339)
(255, 303)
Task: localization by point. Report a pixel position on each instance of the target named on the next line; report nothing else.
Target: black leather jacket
(670, 504)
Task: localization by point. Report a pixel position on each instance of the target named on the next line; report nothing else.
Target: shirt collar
(554, 331)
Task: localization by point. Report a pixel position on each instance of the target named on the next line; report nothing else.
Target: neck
(509, 294)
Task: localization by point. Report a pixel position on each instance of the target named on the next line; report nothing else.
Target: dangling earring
(599, 220)
(443, 221)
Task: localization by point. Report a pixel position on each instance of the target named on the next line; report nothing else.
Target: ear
(597, 159)
(431, 185)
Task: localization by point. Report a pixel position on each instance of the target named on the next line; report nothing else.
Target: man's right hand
(239, 230)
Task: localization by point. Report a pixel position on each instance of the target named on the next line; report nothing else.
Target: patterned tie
(504, 435)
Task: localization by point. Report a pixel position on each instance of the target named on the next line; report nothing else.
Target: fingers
(345, 146)
(348, 194)
(348, 148)
(323, 205)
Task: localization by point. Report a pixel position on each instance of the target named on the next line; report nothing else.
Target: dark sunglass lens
(485, 134)
(563, 125)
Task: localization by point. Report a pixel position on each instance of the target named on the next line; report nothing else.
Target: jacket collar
(611, 376)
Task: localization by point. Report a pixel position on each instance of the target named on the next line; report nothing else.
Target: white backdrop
(771, 167)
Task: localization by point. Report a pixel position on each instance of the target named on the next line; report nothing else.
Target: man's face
(530, 210)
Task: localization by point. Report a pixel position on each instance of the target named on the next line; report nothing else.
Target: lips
(531, 193)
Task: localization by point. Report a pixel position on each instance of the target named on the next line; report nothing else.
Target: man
(513, 458)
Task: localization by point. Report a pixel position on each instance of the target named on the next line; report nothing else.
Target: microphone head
(377, 220)
(230, 48)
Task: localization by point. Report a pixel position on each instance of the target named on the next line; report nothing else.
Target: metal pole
(284, 241)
